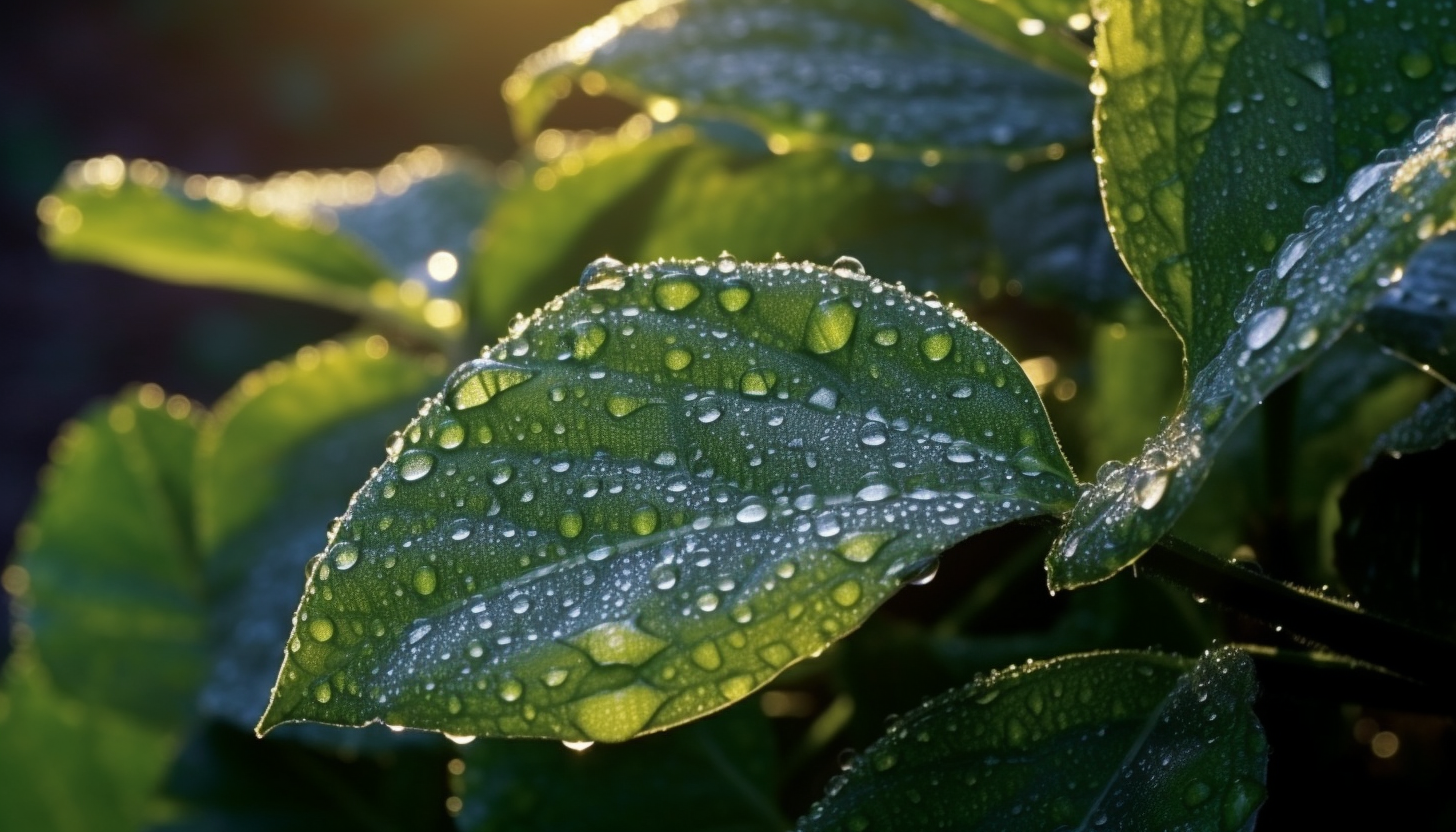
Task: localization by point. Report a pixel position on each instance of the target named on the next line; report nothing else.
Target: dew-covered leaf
(288, 447)
(1321, 280)
(810, 73)
(70, 766)
(1417, 319)
(664, 198)
(1393, 545)
(360, 241)
(224, 780)
(656, 493)
(115, 598)
(716, 775)
(1219, 124)
(1041, 31)
(1432, 425)
(1115, 740)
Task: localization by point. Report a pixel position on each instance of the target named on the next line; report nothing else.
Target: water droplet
(936, 345)
(872, 434)
(846, 594)
(1291, 253)
(675, 294)
(511, 690)
(706, 656)
(425, 580)
(345, 555)
(618, 715)
(521, 605)
(847, 266)
(589, 337)
(707, 602)
(1416, 64)
(961, 452)
(887, 336)
(758, 382)
(414, 464)
(619, 642)
(861, 547)
(418, 633)
(824, 398)
(752, 513)
(1264, 326)
(603, 273)
(644, 520)
(663, 576)
(924, 573)
(727, 263)
(826, 524)
(323, 693)
(570, 523)
(1308, 338)
(620, 406)
(555, 677)
(734, 296)
(1365, 178)
(322, 629)
(450, 435)
(830, 326)
(677, 358)
(1317, 72)
(501, 474)
(875, 492)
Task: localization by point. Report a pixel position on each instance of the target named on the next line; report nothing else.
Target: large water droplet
(677, 358)
(663, 576)
(1265, 326)
(603, 273)
(570, 523)
(345, 555)
(936, 345)
(847, 266)
(752, 513)
(588, 337)
(450, 434)
(734, 296)
(425, 580)
(862, 547)
(727, 263)
(872, 434)
(618, 642)
(1150, 490)
(617, 715)
(415, 464)
(322, 629)
(758, 382)
(847, 594)
(644, 520)
(675, 293)
(830, 326)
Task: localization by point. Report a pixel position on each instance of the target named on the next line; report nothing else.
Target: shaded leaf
(812, 72)
(1041, 31)
(1220, 124)
(1432, 425)
(288, 447)
(655, 494)
(358, 241)
(716, 774)
(1322, 279)
(1114, 740)
(224, 780)
(115, 587)
(1393, 546)
(1416, 319)
(73, 767)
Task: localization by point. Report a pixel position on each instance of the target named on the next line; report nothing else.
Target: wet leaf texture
(1117, 740)
(656, 493)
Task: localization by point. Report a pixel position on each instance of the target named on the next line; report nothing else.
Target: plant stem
(1338, 625)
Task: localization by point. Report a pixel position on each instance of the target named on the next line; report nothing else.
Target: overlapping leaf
(359, 241)
(1417, 319)
(654, 495)
(1041, 31)
(1219, 124)
(1432, 425)
(1114, 740)
(1321, 280)
(115, 600)
(812, 72)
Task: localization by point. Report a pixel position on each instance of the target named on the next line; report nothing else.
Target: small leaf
(360, 241)
(1220, 124)
(716, 774)
(1432, 425)
(115, 587)
(1417, 318)
(70, 766)
(655, 494)
(1393, 546)
(1322, 279)
(1103, 740)
(1041, 31)
(810, 73)
(289, 445)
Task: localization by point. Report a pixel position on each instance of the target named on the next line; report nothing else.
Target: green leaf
(666, 198)
(73, 767)
(810, 73)
(1321, 280)
(359, 241)
(289, 445)
(716, 774)
(1219, 124)
(115, 587)
(1041, 31)
(1103, 740)
(1417, 318)
(655, 494)
(1432, 425)
(1393, 545)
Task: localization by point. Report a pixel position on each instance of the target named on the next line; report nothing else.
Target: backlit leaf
(1417, 318)
(1039, 30)
(1103, 740)
(655, 494)
(1322, 279)
(1432, 425)
(115, 598)
(811, 73)
(1220, 124)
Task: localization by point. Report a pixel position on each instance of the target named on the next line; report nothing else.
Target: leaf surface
(813, 72)
(1220, 124)
(360, 241)
(1430, 426)
(1417, 319)
(656, 493)
(1041, 31)
(1114, 740)
(115, 598)
(1322, 279)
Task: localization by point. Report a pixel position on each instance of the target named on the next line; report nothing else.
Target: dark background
(216, 87)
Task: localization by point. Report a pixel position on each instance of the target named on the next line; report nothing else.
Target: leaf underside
(655, 494)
